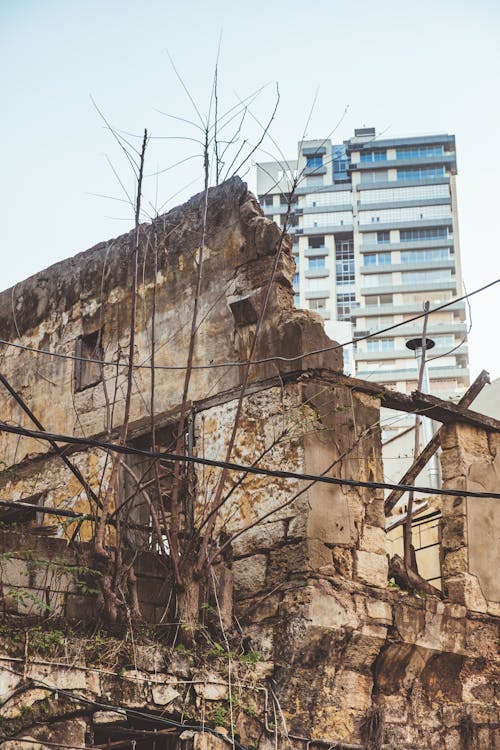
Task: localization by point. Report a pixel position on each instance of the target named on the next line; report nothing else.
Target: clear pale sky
(402, 67)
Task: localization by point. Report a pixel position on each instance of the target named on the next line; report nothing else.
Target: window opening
(138, 476)
(89, 350)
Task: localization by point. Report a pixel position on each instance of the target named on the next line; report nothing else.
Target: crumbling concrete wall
(92, 292)
(421, 671)
(304, 426)
(313, 427)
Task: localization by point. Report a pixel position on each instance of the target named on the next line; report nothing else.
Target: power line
(74, 469)
(231, 466)
(275, 358)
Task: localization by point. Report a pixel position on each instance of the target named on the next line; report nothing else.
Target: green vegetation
(47, 642)
(220, 716)
(29, 600)
(251, 658)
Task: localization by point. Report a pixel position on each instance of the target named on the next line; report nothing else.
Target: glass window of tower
(418, 152)
(377, 154)
(314, 161)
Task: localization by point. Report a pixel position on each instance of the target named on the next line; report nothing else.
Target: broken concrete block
(108, 717)
(373, 540)
(211, 687)
(371, 568)
(163, 694)
(465, 589)
(379, 610)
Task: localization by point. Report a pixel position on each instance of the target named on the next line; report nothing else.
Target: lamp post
(420, 346)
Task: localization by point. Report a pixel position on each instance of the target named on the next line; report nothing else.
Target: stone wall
(43, 577)
(327, 652)
(420, 671)
(471, 526)
(338, 654)
(303, 426)
(91, 292)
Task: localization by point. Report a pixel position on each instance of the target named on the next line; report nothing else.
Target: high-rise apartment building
(375, 231)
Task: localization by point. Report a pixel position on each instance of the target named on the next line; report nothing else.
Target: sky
(69, 66)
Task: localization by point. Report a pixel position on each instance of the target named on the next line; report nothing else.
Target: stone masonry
(331, 654)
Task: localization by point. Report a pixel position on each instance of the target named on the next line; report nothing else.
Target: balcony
(314, 150)
(331, 229)
(311, 171)
(435, 373)
(328, 188)
(422, 286)
(313, 252)
(433, 139)
(401, 352)
(322, 294)
(418, 161)
(316, 273)
(442, 180)
(411, 330)
(367, 311)
(392, 267)
(449, 160)
(375, 226)
(377, 356)
(374, 247)
(323, 209)
(380, 205)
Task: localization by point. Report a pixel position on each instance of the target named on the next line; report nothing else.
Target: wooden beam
(417, 403)
(126, 737)
(448, 413)
(396, 521)
(426, 454)
(409, 580)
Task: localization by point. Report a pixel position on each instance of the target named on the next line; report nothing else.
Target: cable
(265, 360)
(230, 466)
(464, 339)
(45, 510)
(35, 741)
(133, 713)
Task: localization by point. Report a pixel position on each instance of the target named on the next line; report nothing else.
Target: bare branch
(265, 131)
(99, 537)
(179, 78)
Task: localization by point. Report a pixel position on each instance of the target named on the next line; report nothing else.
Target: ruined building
(221, 606)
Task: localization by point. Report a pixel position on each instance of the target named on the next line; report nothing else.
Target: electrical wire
(230, 466)
(133, 713)
(154, 718)
(39, 741)
(464, 339)
(265, 360)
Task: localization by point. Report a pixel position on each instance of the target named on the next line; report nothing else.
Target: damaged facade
(302, 640)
